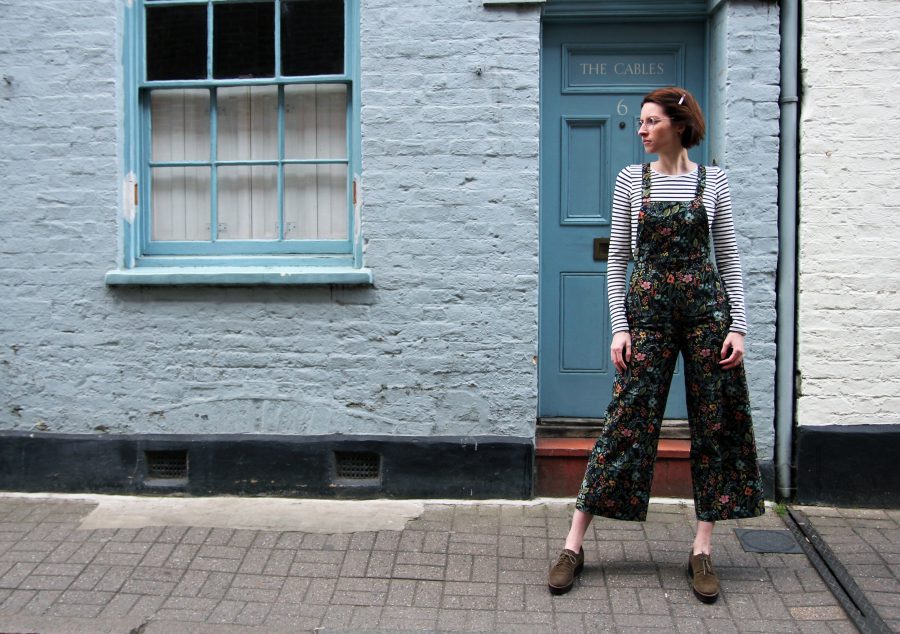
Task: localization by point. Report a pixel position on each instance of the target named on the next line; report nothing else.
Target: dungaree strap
(645, 184)
(701, 184)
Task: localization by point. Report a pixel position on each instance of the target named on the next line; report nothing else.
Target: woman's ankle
(574, 546)
(703, 538)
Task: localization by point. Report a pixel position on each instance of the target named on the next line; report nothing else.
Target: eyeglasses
(651, 122)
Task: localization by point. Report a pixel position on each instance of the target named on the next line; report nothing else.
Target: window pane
(248, 202)
(176, 42)
(244, 39)
(312, 37)
(180, 125)
(315, 202)
(315, 121)
(248, 123)
(181, 203)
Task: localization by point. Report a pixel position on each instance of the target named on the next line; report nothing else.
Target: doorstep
(561, 461)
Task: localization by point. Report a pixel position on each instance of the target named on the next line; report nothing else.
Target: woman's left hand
(734, 344)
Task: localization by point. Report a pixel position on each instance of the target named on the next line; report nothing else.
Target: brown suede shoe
(562, 574)
(704, 581)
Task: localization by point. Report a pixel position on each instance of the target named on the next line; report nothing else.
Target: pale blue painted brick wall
(751, 119)
(450, 193)
(443, 345)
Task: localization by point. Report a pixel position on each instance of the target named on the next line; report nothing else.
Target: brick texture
(443, 345)
(849, 263)
(620, 588)
(744, 139)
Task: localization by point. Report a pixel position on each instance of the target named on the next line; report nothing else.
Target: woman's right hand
(620, 350)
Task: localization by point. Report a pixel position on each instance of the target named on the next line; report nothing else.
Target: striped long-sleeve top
(623, 238)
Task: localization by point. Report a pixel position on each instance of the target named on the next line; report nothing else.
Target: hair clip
(681, 101)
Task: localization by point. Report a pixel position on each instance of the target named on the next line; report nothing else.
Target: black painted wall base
(848, 465)
(300, 466)
(767, 471)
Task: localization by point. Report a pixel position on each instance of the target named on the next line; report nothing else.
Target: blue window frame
(242, 134)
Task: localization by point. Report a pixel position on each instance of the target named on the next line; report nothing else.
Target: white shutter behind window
(181, 195)
(315, 195)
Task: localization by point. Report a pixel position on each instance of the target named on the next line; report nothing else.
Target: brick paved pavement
(866, 542)
(457, 567)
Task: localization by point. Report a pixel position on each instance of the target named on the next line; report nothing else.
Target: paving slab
(71, 564)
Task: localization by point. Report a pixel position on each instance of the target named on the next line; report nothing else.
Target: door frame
(579, 11)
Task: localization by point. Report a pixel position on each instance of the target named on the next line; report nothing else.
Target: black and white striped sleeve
(727, 257)
(619, 249)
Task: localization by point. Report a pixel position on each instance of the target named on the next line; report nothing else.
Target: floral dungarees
(675, 303)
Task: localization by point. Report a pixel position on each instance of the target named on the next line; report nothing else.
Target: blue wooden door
(593, 77)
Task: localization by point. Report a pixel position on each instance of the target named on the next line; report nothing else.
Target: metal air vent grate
(353, 465)
(167, 465)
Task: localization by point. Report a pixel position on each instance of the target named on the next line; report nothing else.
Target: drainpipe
(786, 284)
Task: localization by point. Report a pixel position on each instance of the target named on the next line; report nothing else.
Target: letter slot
(601, 249)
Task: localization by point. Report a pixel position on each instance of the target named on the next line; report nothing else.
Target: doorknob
(601, 249)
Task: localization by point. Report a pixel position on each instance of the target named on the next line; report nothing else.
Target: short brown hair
(682, 108)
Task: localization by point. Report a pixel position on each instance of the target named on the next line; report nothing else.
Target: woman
(663, 215)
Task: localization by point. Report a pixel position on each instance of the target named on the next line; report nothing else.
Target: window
(243, 125)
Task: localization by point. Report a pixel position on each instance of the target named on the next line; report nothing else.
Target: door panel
(593, 78)
(584, 154)
(581, 292)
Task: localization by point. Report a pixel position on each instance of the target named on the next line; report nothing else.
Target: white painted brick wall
(849, 341)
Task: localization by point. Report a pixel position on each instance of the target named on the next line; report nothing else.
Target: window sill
(240, 276)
